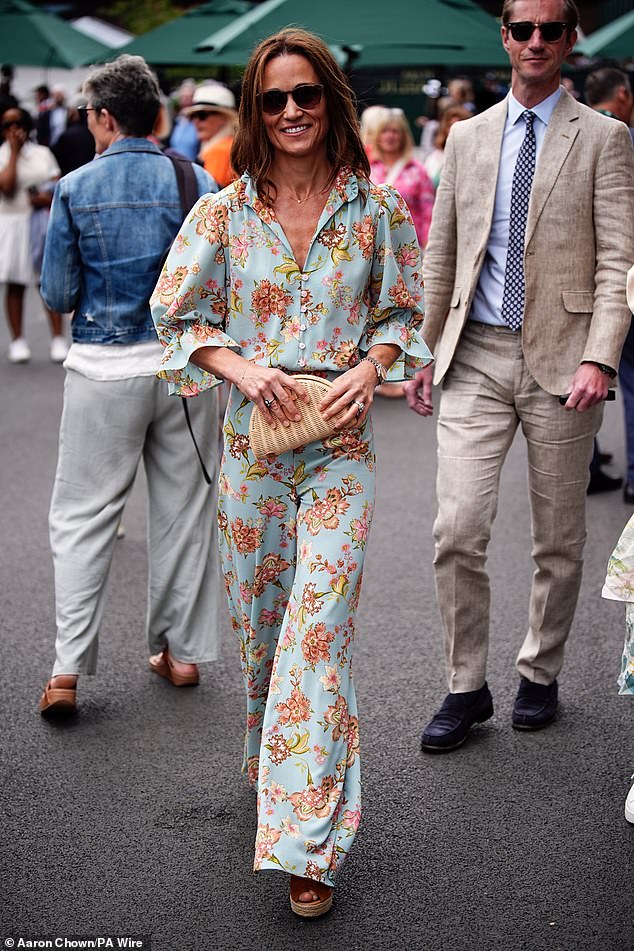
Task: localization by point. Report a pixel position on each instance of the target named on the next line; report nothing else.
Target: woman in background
(25, 171)
(435, 160)
(393, 163)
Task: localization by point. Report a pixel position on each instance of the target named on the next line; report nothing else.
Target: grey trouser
(106, 428)
(487, 393)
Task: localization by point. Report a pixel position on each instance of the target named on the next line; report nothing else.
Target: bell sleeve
(396, 303)
(190, 302)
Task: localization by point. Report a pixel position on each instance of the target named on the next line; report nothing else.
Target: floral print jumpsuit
(619, 586)
(293, 529)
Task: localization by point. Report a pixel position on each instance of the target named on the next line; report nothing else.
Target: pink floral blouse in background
(416, 187)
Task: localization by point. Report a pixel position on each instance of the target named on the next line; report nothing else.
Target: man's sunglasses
(305, 96)
(522, 30)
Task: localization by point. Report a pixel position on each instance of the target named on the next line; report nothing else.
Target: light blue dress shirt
(487, 301)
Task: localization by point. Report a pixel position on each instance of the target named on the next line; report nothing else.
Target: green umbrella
(372, 32)
(174, 43)
(615, 40)
(30, 37)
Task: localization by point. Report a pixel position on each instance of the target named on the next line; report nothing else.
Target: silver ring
(268, 403)
(360, 405)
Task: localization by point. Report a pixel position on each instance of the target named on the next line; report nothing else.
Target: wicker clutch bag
(312, 426)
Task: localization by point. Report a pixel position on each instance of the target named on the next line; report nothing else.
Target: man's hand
(418, 392)
(588, 386)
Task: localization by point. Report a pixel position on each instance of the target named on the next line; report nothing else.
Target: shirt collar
(543, 110)
(131, 144)
(345, 188)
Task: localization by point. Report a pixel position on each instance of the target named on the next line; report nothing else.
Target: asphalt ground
(134, 819)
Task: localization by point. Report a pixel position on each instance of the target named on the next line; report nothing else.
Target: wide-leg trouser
(487, 393)
(106, 428)
(293, 533)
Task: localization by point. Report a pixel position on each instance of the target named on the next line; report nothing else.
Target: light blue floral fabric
(294, 528)
(619, 586)
(231, 280)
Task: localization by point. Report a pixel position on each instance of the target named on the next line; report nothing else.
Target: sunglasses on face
(10, 123)
(202, 115)
(522, 30)
(83, 113)
(305, 96)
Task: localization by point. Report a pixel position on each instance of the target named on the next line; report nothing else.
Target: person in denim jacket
(111, 223)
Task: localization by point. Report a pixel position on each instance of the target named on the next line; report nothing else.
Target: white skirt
(16, 266)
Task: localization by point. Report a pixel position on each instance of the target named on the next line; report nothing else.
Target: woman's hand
(274, 392)
(41, 199)
(15, 137)
(351, 395)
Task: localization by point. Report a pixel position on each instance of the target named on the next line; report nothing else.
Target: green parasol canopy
(372, 32)
(173, 43)
(615, 40)
(30, 37)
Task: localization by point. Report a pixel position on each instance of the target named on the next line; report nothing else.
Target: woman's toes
(309, 895)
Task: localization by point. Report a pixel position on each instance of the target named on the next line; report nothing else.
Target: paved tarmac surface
(134, 818)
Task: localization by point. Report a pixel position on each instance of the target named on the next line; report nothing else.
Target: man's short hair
(130, 92)
(603, 84)
(571, 13)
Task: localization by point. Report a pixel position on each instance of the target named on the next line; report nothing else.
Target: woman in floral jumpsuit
(302, 265)
(619, 586)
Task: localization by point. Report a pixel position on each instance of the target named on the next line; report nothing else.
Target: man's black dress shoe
(628, 493)
(601, 482)
(449, 727)
(535, 705)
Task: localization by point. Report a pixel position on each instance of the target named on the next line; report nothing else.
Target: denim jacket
(111, 223)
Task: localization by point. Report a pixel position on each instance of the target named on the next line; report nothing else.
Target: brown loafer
(310, 909)
(163, 665)
(58, 700)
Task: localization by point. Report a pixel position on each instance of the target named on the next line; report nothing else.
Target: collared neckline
(543, 110)
(345, 188)
(131, 144)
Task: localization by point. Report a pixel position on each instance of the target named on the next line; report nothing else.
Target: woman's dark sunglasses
(522, 30)
(12, 122)
(203, 114)
(305, 96)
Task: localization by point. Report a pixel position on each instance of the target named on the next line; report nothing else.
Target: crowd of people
(307, 242)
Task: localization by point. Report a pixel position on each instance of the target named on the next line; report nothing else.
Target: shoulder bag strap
(188, 194)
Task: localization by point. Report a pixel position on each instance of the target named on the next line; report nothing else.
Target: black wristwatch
(609, 371)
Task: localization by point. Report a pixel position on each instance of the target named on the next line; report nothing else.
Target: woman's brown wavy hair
(252, 150)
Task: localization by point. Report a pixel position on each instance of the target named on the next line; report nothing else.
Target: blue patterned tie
(513, 294)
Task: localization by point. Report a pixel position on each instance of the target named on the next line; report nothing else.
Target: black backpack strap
(188, 194)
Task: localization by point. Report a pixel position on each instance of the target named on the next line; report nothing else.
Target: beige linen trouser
(487, 392)
(105, 431)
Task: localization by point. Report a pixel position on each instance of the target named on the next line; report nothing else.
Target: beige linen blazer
(579, 241)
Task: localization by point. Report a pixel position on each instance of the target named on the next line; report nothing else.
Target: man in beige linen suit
(531, 239)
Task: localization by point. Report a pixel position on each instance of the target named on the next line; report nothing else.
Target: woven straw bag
(311, 427)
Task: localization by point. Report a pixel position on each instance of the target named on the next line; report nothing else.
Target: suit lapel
(561, 133)
(487, 159)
